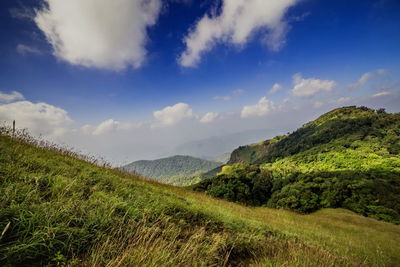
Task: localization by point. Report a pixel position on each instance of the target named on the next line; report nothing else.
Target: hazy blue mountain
(212, 147)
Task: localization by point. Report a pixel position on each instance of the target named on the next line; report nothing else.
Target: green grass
(57, 209)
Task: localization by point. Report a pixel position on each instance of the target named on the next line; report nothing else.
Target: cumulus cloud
(235, 24)
(172, 114)
(39, 118)
(310, 87)
(106, 127)
(25, 49)
(262, 108)
(275, 88)
(98, 33)
(11, 97)
(209, 117)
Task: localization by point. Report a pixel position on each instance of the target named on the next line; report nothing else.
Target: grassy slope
(59, 209)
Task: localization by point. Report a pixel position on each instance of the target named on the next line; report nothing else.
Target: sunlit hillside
(347, 158)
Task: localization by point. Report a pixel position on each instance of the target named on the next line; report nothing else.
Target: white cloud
(366, 77)
(209, 117)
(11, 97)
(39, 118)
(172, 114)
(275, 88)
(106, 127)
(25, 49)
(263, 107)
(98, 33)
(310, 87)
(381, 94)
(235, 24)
(87, 129)
(363, 80)
(109, 126)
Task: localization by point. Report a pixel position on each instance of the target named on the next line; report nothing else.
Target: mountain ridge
(177, 170)
(348, 157)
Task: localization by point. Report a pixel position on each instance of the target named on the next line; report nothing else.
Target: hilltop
(60, 209)
(176, 170)
(348, 157)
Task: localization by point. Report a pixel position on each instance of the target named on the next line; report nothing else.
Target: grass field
(57, 209)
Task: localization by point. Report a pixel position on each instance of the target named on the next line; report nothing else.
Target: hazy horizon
(143, 81)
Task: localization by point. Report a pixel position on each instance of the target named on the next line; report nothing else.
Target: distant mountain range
(217, 146)
(202, 156)
(176, 170)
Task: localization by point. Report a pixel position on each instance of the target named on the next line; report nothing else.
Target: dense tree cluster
(373, 194)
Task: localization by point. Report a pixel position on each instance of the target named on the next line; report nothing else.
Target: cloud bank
(236, 23)
(98, 33)
(171, 126)
(39, 118)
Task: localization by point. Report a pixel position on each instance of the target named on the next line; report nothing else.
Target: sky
(137, 79)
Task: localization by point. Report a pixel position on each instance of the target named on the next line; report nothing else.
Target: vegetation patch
(347, 158)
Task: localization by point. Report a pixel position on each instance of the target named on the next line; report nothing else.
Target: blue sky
(124, 61)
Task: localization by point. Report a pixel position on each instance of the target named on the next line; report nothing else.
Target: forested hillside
(348, 158)
(177, 170)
